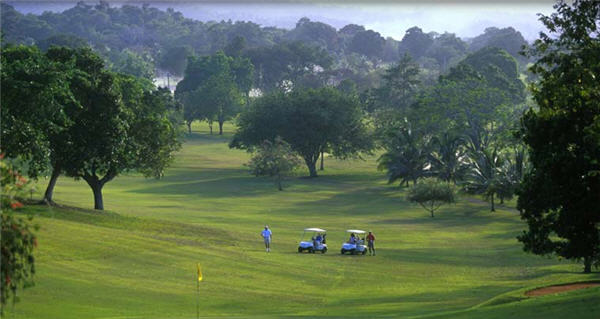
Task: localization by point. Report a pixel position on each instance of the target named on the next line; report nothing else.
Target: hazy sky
(390, 18)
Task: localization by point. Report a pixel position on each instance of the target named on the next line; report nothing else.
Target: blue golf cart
(316, 241)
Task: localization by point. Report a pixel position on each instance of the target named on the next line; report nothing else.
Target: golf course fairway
(137, 259)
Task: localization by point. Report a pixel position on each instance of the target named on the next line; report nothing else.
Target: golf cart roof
(355, 231)
(318, 230)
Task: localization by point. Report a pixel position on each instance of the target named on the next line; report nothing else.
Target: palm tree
(448, 158)
(483, 176)
(407, 158)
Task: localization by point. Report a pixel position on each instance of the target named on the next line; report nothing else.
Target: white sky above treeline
(390, 18)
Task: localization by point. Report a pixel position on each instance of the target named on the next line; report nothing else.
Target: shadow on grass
(155, 228)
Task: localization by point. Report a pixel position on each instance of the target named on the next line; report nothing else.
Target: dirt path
(560, 288)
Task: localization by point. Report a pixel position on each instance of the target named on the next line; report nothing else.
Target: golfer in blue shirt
(266, 234)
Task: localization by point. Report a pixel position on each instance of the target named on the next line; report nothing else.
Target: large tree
(120, 123)
(310, 120)
(559, 197)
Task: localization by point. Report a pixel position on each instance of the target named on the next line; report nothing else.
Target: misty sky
(466, 18)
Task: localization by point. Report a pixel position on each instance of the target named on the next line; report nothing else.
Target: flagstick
(198, 299)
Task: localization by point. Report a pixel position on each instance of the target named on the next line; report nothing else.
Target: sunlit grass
(138, 258)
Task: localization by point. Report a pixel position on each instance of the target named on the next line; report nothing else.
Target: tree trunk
(312, 167)
(210, 124)
(493, 206)
(220, 127)
(587, 264)
(501, 200)
(96, 185)
(189, 125)
(322, 166)
(279, 182)
(50, 189)
(98, 202)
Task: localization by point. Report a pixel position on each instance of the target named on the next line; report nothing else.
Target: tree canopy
(310, 120)
(559, 195)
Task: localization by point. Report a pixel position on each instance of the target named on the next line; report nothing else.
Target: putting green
(138, 258)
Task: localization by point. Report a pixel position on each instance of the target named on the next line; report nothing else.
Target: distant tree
(310, 120)
(314, 33)
(507, 39)
(174, 59)
(415, 43)
(129, 62)
(275, 159)
(62, 40)
(399, 87)
(212, 87)
(235, 47)
(446, 49)
(559, 196)
(368, 43)
(431, 193)
(288, 63)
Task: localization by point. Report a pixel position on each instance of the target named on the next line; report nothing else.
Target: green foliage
(559, 196)
(275, 159)
(415, 43)
(129, 62)
(368, 43)
(507, 39)
(212, 88)
(292, 64)
(431, 193)
(309, 120)
(17, 239)
(34, 90)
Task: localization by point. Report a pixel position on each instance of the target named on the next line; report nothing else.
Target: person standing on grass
(371, 243)
(266, 234)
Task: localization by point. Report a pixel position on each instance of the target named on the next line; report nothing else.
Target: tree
(415, 43)
(129, 62)
(430, 193)
(120, 124)
(287, 63)
(507, 39)
(483, 176)
(399, 87)
(18, 239)
(310, 120)
(34, 90)
(448, 157)
(212, 86)
(406, 158)
(275, 159)
(368, 43)
(559, 196)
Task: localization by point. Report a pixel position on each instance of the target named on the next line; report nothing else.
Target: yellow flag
(199, 273)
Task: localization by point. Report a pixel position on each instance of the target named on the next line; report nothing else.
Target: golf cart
(316, 242)
(355, 245)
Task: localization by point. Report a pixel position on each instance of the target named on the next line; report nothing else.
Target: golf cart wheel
(343, 251)
(299, 249)
(310, 250)
(324, 250)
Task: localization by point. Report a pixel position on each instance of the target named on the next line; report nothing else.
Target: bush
(431, 193)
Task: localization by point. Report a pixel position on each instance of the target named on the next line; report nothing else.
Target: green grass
(138, 258)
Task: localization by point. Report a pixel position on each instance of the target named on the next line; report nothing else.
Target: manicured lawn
(138, 258)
